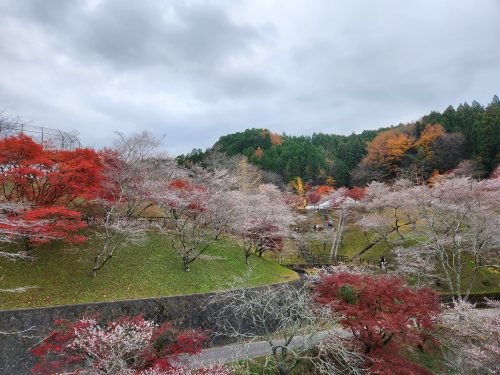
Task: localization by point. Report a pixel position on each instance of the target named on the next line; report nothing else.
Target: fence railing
(52, 138)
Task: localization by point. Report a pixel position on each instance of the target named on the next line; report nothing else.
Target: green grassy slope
(61, 273)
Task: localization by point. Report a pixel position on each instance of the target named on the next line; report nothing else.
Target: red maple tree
(48, 185)
(324, 190)
(383, 315)
(44, 224)
(42, 177)
(314, 198)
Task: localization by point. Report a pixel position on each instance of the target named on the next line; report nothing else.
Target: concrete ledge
(185, 311)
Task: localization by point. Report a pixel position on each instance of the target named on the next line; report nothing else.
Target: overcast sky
(196, 70)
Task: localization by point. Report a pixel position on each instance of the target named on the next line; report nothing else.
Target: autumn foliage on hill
(410, 152)
(384, 317)
(129, 345)
(47, 186)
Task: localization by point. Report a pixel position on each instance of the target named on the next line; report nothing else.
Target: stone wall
(186, 311)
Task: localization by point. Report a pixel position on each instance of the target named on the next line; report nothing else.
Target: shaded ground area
(60, 273)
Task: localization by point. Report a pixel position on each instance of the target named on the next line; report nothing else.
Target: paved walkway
(235, 352)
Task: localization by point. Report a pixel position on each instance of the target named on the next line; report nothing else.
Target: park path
(236, 352)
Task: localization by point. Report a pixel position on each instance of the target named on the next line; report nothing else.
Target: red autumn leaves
(384, 317)
(46, 187)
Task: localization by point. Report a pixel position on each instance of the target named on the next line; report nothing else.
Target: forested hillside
(434, 144)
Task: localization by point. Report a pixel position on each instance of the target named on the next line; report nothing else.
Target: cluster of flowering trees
(445, 231)
(473, 339)
(44, 193)
(263, 219)
(129, 345)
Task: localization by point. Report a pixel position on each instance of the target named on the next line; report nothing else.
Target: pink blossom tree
(459, 229)
(128, 345)
(263, 219)
(472, 337)
(197, 210)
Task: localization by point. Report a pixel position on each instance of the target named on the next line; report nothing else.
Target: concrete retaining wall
(185, 311)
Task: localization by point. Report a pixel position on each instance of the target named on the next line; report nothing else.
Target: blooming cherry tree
(263, 219)
(129, 345)
(473, 338)
(190, 213)
(459, 221)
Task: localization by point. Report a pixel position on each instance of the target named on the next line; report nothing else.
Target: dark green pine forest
(467, 132)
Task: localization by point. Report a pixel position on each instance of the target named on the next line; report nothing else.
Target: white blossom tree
(454, 224)
(388, 212)
(345, 208)
(10, 229)
(472, 339)
(127, 169)
(292, 325)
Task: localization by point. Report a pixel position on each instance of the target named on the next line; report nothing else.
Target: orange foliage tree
(387, 150)
(275, 139)
(399, 150)
(258, 152)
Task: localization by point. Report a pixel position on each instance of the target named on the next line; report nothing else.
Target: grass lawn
(61, 273)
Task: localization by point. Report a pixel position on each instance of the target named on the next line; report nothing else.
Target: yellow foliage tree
(298, 186)
(330, 181)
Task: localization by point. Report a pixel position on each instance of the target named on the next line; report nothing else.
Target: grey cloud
(142, 33)
(194, 70)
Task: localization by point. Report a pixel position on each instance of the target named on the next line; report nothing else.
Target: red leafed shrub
(42, 225)
(52, 223)
(128, 345)
(180, 184)
(357, 193)
(324, 190)
(383, 315)
(314, 198)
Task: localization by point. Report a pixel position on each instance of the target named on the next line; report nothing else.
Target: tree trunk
(337, 236)
(27, 245)
(185, 263)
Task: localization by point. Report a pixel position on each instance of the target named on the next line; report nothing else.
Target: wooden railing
(311, 260)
